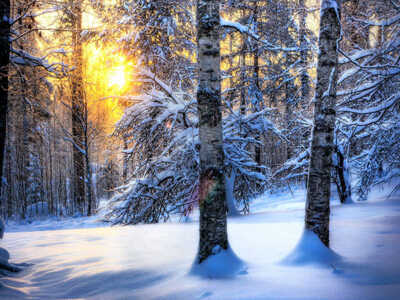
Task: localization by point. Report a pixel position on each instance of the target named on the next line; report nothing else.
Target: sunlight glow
(117, 77)
(107, 70)
(109, 75)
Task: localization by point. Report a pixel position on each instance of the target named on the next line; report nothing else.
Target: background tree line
(61, 157)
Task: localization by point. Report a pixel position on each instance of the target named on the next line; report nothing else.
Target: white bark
(322, 145)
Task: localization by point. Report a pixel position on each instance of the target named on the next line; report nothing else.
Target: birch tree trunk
(4, 61)
(213, 210)
(322, 144)
(78, 110)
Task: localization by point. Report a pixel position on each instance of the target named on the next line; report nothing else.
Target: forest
(137, 135)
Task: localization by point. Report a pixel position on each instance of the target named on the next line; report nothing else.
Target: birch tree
(213, 225)
(322, 143)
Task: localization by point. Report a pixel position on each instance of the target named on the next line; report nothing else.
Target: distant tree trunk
(4, 62)
(230, 193)
(243, 73)
(342, 179)
(89, 186)
(231, 94)
(51, 151)
(305, 89)
(258, 105)
(78, 110)
(126, 162)
(319, 174)
(9, 199)
(305, 83)
(213, 209)
(25, 155)
(288, 119)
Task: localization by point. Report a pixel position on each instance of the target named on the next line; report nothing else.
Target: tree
(368, 107)
(168, 183)
(28, 95)
(79, 110)
(164, 38)
(4, 62)
(305, 85)
(322, 144)
(213, 221)
(275, 73)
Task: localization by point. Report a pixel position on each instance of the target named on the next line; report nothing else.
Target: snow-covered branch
(246, 30)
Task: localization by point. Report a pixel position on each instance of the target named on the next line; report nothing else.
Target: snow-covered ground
(153, 261)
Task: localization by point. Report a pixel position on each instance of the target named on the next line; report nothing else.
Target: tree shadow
(364, 274)
(64, 284)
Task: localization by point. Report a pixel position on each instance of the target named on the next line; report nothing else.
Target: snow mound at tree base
(222, 264)
(310, 250)
(5, 266)
(4, 255)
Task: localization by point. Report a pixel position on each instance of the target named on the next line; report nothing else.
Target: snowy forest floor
(82, 259)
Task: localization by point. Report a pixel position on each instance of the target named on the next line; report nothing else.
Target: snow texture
(154, 261)
(310, 250)
(222, 264)
(4, 256)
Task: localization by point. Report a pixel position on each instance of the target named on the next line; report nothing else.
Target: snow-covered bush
(369, 99)
(162, 131)
(379, 162)
(367, 132)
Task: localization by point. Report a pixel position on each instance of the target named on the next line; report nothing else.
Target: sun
(109, 75)
(117, 77)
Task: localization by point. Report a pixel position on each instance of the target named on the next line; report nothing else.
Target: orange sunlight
(108, 74)
(117, 78)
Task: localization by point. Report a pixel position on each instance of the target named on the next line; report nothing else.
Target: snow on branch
(21, 57)
(330, 4)
(244, 29)
(166, 88)
(67, 139)
(161, 132)
(298, 162)
(387, 104)
(383, 23)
